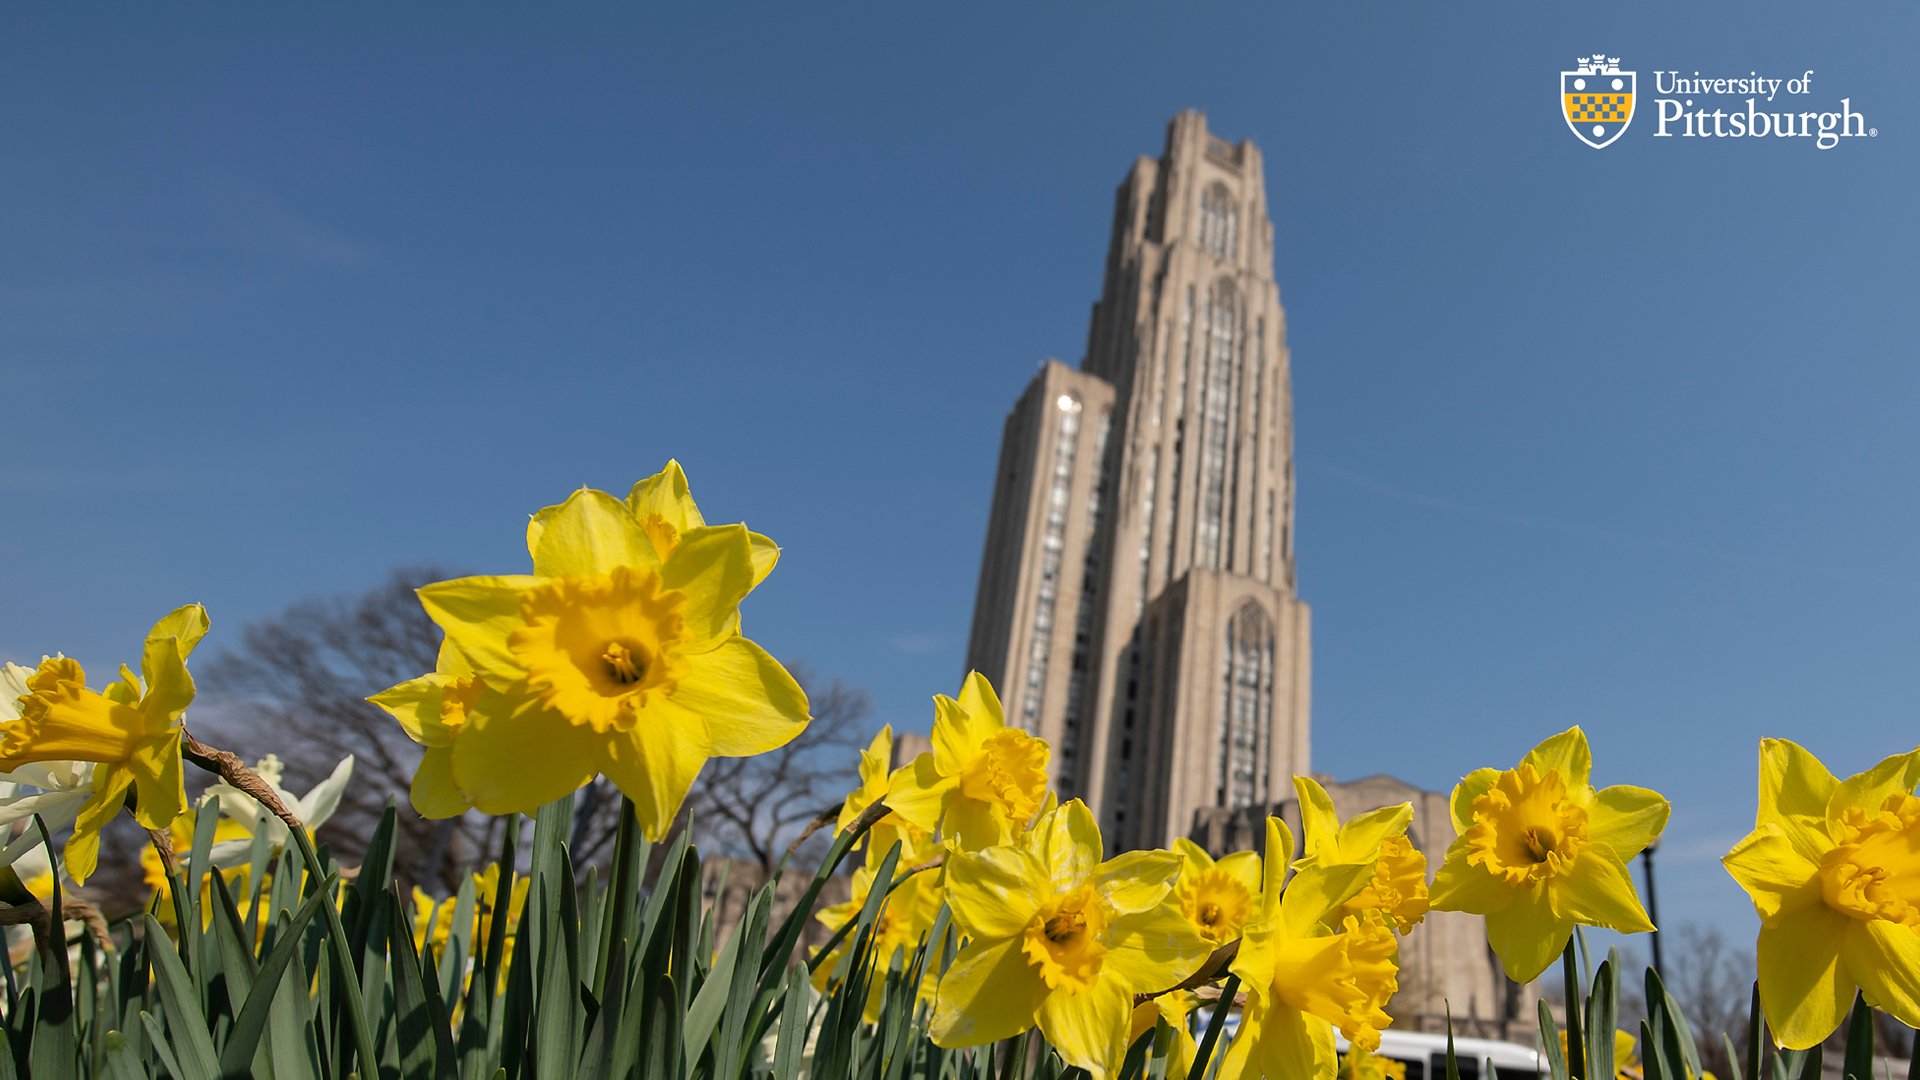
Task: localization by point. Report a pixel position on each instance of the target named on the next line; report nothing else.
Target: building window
(1083, 615)
(1223, 324)
(1067, 430)
(1246, 708)
(1219, 221)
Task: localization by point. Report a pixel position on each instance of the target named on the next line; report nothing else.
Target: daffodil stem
(227, 766)
(820, 821)
(1215, 965)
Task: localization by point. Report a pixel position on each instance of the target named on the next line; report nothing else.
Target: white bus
(1425, 1054)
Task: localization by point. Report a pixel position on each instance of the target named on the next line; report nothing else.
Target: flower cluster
(979, 897)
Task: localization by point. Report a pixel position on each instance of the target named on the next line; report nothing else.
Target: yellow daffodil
(1359, 1064)
(874, 773)
(1540, 849)
(620, 654)
(1173, 1008)
(1833, 867)
(983, 782)
(154, 872)
(432, 709)
(1399, 886)
(1217, 896)
(906, 917)
(1304, 979)
(1059, 938)
(433, 919)
(131, 731)
(1624, 1065)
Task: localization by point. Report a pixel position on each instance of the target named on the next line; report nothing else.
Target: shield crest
(1597, 102)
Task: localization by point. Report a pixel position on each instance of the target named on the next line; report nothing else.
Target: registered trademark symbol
(1873, 133)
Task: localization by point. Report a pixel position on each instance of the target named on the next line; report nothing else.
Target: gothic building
(1136, 605)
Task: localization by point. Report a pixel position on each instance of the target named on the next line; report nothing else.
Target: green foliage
(307, 969)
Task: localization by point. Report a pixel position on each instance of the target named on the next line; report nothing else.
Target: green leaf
(1216, 1024)
(157, 1040)
(236, 1059)
(344, 976)
(791, 1043)
(426, 1041)
(1557, 1066)
(1858, 1062)
(1603, 1017)
(186, 1024)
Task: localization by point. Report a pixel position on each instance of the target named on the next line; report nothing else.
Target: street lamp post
(1653, 907)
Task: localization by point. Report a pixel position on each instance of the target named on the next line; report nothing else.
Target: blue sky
(1620, 438)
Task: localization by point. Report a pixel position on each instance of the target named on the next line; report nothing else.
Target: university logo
(1597, 99)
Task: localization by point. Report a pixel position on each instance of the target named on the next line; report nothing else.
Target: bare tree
(297, 684)
(753, 807)
(1713, 983)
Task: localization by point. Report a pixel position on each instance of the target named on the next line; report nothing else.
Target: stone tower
(1136, 604)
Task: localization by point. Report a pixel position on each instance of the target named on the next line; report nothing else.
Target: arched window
(1223, 328)
(1246, 708)
(1219, 221)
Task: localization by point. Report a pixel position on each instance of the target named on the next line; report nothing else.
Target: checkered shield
(1598, 107)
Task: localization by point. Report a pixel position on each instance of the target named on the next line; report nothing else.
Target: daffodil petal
(955, 736)
(1317, 820)
(1527, 935)
(976, 825)
(765, 554)
(1626, 818)
(1868, 791)
(159, 782)
(978, 698)
(1069, 845)
(990, 993)
(1089, 1028)
(1317, 890)
(1596, 891)
(1243, 867)
(1884, 958)
(1277, 854)
(1135, 881)
(1362, 835)
(433, 792)
(169, 685)
(1154, 949)
(588, 535)
(515, 756)
(751, 704)
(917, 792)
(1461, 886)
(1567, 754)
(667, 494)
(186, 625)
(1792, 781)
(656, 763)
(1197, 859)
(1774, 872)
(713, 567)
(82, 853)
(991, 891)
(1803, 990)
(478, 614)
(1471, 787)
(416, 705)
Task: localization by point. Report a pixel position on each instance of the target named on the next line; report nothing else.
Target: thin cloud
(918, 644)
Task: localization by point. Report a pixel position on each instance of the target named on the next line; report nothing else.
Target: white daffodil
(313, 809)
(53, 789)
